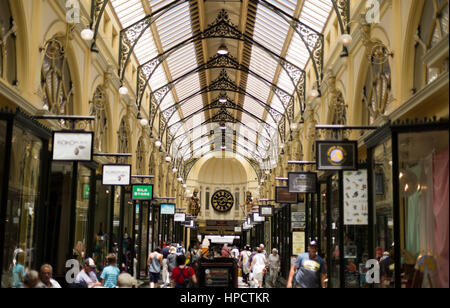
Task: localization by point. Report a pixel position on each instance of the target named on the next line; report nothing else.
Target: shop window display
(23, 197)
(323, 222)
(82, 210)
(424, 204)
(101, 224)
(383, 213)
(334, 270)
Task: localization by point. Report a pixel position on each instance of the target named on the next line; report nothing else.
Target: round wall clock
(222, 201)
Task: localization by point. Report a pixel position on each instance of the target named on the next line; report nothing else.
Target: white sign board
(68, 146)
(257, 218)
(298, 243)
(179, 217)
(237, 229)
(116, 175)
(356, 199)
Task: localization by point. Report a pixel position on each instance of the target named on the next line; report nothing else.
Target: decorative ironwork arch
(98, 109)
(221, 62)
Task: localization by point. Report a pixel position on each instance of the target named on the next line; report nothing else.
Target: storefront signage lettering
(179, 217)
(337, 155)
(302, 182)
(68, 146)
(116, 175)
(265, 210)
(167, 209)
(142, 192)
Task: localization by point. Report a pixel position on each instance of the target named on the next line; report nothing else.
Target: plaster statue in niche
(194, 204)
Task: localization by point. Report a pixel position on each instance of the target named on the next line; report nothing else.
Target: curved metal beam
(312, 39)
(97, 9)
(255, 155)
(222, 62)
(235, 133)
(216, 105)
(223, 83)
(222, 28)
(130, 36)
(185, 134)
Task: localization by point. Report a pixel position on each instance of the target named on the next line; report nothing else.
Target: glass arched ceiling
(191, 17)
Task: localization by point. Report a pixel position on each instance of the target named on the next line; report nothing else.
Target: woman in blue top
(18, 271)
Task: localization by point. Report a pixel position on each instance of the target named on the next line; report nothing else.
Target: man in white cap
(87, 274)
(310, 268)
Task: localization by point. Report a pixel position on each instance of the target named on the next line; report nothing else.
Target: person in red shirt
(182, 274)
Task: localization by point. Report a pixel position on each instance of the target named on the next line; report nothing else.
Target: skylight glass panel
(254, 107)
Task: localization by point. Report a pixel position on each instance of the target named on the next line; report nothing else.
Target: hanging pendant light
(223, 50)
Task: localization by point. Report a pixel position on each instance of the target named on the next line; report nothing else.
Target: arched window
(124, 147)
(56, 83)
(98, 109)
(432, 29)
(377, 87)
(8, 29)
(140, 156)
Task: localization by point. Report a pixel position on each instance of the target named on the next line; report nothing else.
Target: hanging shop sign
(257, 218)
(298, 243)
(237, 229)
(302, 182)
(142, 192)
(246, 226)
(187, 221)
(356, 199)
(265, 210)
(337, 155)
(167, 209)
(73, 146)
(282, 195)
(116, 175)
(179, 217)
(298, 220)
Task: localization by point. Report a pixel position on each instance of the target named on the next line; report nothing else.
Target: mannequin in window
(194, 204)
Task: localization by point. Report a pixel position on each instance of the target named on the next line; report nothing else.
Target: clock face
(222, 201)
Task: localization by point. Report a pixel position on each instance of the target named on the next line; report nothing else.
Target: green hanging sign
(86, 191)
(142, 192)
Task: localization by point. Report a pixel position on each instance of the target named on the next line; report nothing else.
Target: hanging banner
(356, 199)
(337, 155)
(298, 243)
(179, 217)
(167, 209)
(282, 195)
(265, 210)
(302, 182)
(142, 192)
(73, 146)
(116, 175)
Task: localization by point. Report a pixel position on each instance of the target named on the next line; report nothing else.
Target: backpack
(187, 283)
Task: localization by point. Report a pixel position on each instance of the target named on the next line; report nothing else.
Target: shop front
(409, 206)
(24, 169)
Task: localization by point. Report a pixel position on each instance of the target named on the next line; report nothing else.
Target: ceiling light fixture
(123, 90)
(168, 158)
(223, 50)
(345, 39)
(314, 93)
(158, 143)
(87, 34)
